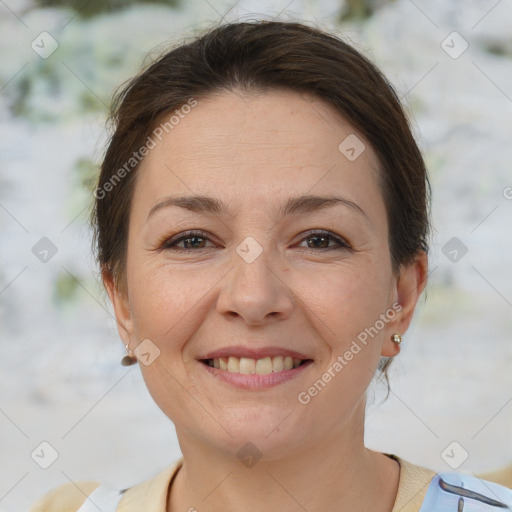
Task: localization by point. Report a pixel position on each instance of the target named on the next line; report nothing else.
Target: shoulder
(147, 495)
(501, 476)
(65, 498)
(412, 486)
(424, 490)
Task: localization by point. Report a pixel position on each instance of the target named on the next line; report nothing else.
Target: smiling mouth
(248, 366)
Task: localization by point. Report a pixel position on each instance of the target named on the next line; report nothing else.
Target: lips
(256, 375)
(254, 368)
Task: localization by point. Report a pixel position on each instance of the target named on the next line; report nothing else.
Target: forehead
(255, 147)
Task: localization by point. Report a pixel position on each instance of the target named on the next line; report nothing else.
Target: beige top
(151, 495)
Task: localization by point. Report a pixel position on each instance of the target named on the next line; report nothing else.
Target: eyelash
(171, 243)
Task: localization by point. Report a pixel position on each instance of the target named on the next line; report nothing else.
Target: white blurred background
(60, 377)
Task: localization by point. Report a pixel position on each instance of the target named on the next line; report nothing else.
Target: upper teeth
(250, 366)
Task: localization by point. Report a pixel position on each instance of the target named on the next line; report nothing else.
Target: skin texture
(253, 152)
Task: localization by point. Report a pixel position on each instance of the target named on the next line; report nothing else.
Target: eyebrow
(294, 205)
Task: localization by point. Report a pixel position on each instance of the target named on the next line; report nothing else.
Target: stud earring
(128, 360)
(396, 338)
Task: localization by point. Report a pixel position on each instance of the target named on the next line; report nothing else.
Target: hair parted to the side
(254, 56)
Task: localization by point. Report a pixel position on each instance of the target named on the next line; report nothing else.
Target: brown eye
(322, 239)
(195, 242)
(192, 240)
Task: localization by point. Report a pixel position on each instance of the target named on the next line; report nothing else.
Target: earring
(128, 360)
(396, 338)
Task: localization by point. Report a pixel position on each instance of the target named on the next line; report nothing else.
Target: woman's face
(272, 271)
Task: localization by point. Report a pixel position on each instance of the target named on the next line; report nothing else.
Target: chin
(268, 435)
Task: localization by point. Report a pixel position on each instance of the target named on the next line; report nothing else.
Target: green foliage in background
(97, 51)
(358, 10)
(91, 8)
(65, 288)
(87, 172)
(85, 177)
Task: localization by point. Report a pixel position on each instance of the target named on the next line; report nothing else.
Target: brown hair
(263, 55)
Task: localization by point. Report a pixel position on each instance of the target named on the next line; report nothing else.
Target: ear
(121, 305)
(410, 283)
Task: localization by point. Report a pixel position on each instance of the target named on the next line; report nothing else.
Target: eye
(192, 240)
(321, 241)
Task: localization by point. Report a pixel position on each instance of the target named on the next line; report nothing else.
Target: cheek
(163, 301)
(172, 306)
(350, 311)
(164, 309)
(350, 298)
(347, 313)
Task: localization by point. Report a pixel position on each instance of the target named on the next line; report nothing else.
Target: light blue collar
(456, 492)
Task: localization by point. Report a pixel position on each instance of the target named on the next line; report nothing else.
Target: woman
(261, 222)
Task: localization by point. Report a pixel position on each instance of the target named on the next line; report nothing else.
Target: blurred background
(68, 410)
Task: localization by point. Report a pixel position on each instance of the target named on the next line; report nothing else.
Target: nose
(256, 290)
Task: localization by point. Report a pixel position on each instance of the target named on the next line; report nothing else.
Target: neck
(337, 474)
